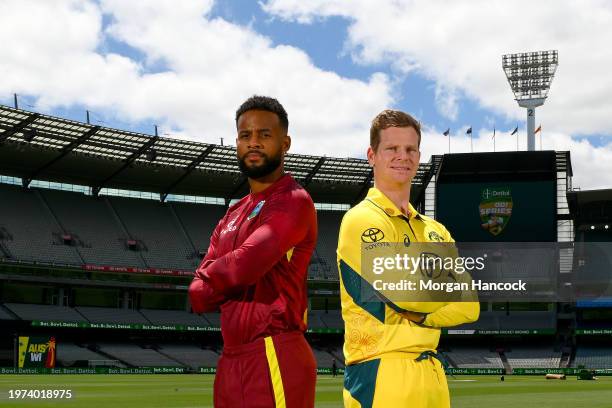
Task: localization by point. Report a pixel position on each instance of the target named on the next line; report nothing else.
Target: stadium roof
(36, 146)
(590, 206)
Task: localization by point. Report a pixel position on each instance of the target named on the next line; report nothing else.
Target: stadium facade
(100, 230)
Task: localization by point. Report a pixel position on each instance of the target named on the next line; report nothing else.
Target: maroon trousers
(278, 371)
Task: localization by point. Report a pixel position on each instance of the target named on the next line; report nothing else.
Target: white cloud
(459, 45)
(209, 67)
(55, 51)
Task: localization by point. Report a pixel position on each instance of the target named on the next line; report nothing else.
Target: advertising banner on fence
(37, 352)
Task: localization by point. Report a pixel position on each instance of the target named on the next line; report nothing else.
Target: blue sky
(186, 67)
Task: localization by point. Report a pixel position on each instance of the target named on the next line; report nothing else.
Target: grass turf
(134, 391)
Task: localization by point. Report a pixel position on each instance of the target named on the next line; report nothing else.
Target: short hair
(391, 118)
(264, 103)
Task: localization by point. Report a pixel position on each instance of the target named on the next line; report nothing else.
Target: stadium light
(529, 75)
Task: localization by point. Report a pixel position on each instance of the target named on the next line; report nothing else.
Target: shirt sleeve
(283, 225)
(202, 296)
(455, 313)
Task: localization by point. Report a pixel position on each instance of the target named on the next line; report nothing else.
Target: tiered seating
(593, 357)
(314, 321)
(111, 315)
(5, 315)
(68, 354)
(191, 355)
(527, 320)
(23, 214)
(45, 312)
(324, 359)
(329, 228)
(475, 358)
(99, 238)
(214, 319)
(173, 317)
(528, 357)
(137, 356)
(332, 319)
(199, 221)
(153, 223)
(486, 321)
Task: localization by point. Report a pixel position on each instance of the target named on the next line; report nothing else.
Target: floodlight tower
(529, 75)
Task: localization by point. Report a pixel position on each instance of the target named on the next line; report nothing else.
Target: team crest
(434, 236)
(256, 210)
(495, 209)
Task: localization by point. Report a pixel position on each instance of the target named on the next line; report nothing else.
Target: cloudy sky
(186, 65)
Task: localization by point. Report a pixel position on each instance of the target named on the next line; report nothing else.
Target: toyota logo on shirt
(372, 235)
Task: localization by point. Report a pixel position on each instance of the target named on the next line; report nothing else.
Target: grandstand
(101, 229)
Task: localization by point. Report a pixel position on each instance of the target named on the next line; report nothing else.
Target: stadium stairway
(182, 229)
(47, 208)
(123, 228)
(505, 362)
(170, 357)
(96, 349)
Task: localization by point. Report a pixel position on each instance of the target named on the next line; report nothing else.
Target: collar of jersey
(384, 203)
(283, 180)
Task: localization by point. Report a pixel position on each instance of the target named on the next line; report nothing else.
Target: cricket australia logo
(495, 209)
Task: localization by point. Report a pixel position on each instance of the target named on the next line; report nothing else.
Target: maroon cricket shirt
(256, 265)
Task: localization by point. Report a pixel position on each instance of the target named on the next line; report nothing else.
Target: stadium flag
(493, 137)
(515, 132)
(447, 133)
(469, 132)
(539, 129)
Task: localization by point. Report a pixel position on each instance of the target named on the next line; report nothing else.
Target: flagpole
(471, 141)
(449, 143)
(517, 146)
(493, 138)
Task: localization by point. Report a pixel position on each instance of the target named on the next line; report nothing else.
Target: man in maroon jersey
(255, 272)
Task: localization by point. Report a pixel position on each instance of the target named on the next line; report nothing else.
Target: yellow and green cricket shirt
(373, 329)
(389, 358)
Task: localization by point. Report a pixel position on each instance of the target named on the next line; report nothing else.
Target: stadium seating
(465, 357)
(5, 315)
(137, 356)
(153, 223)
(68, 354)
(190, 355)
(332, 319)
(329, 228)
(530, 357)
(199, 221)
(99, 237)
(593, 357)
(173, 317)
(35, 234)
(108, 315)
(45, 312)
(214, 319)
(324, 358)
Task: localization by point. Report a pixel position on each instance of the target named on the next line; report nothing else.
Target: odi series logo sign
(495, 209)
(37, 352)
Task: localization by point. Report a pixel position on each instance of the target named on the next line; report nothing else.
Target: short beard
(268, 166)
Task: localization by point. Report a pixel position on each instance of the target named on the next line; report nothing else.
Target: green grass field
(134, 391)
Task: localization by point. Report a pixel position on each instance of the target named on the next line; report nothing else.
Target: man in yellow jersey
(390, 350)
